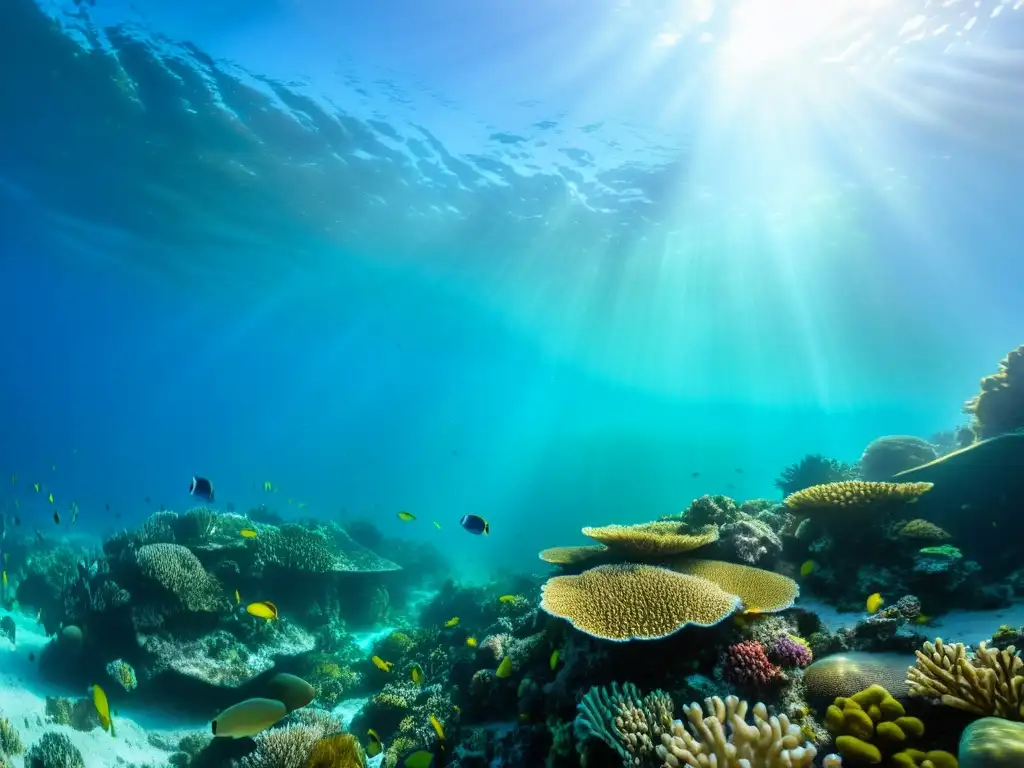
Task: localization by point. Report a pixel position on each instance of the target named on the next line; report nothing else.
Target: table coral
(854, 495)
(652, 540)
(989, 683)
(568, 556)
(759, 590)
(920, 530)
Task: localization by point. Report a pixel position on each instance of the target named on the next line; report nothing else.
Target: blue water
(536, 263)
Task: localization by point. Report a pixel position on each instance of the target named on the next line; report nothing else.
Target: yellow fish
(457, 708)
(238, 598)
(379, 663)
(437, 525)
(5, 576)
(265, 610)
(471, 642)
(406, 517)
(376, 746)
(505, 668)
(417, 674)
(808, 568)
(99, 700)
(36, 486)
(267, 486)
(51, 498)
(452, 622)
(921, 619)
(418, 759)
(553, 661)
(524, 717)
(508, 598)
(438, 728)
(249, 533)
(874, 603)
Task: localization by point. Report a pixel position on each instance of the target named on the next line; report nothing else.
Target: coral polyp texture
(854, 495)
(719, 736)
(629, 723)
(892, 454)
(652, 540)
(760, 591)
(635, 602)
(920, 530)
(813, 470)
(844, 674)
(989, 682)
(999, 407)
(588, 553)
(747, 663)
(180, 572)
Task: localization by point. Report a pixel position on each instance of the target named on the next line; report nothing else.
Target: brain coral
(854, 495)
(179, 571)
(891, 454)
(999, 407)
(845, 674)
(992, 742)
(760, 591)
(921, 530)
(631, 601)
(652, 540)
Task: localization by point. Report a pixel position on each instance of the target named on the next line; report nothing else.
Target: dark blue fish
(475, 524)
(202, 488)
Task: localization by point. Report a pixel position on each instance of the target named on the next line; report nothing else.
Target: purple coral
(789, 653)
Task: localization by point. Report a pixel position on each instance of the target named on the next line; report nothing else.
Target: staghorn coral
(54, 750)
(760, 591)
(747, 663)
(179, 571)
(888, 456)
(999, 406)
(710, 510)
(920, 530)
(10, 739)
(630, 601)
(813, 470)
(854, 495)
(652, 540)
(722, 738)
(989, 683)
(627, 722)
(589, 553)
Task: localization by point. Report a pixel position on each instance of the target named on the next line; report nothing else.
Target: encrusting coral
(999, 406)
(844, 674)
(989, 683)
(854, 495)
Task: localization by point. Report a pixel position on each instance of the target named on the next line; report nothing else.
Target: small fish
(267, 486)
(99, 700)
(56, 517)
(201, 488)
(249, 533)
(418, 759)
(5, 576)
(457, 708)
(524, 717)
(238, 598)
(265, 610)
(452, 622)
(31, 657)
(553, 660)
(74, 512)
(107, 505)
(808, 568)
(376, 746)
(508, 599)
(438, 728)
(874, 602)
(36, 486)
(406, 517)
(505, 668)
(922, 619)
(147, 500)
(379, 663)
(471, 642)
(437, 525)
(302, 505)
(739, 471)
(50, 497)
(417, 674)
(695, 474)
(475, 524)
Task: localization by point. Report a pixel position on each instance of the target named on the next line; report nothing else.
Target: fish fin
(487, 528)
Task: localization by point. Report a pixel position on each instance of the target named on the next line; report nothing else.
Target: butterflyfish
(553, 660)
(379, 663)
(265, 610)
(452, 622)
(438, 728)
(249, 533)
(505, 668)
(419, 759)
(874, 602)
(201, 488)
(475, 524)
(376, 746)
(406, 517)
(249, 717)
(417, 674)
(471, 642)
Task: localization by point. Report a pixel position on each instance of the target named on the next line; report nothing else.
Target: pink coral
(747, 663)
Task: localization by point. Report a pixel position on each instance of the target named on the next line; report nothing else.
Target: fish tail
(487, 529)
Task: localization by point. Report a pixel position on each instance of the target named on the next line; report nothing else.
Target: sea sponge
(892, 454)
(589, 553)
(992, 742)
(724, 738)
(761, 591)
(920, 530)
(989, 683)
(845, 674)
(631, 601)
(54, 750)
(179, 571)
(627, 722)
(999, 407)
(854, 495)
(648, 541)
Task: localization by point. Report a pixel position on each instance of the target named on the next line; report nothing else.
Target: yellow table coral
(854, 495)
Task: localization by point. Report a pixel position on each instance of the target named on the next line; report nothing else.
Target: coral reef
(747, 663)
(813, 470)
(627, 722)
(854, 496)
(999, 406)
(888, 456)
(990, 682)
(652, 540)
(54, 750)
(844, 674)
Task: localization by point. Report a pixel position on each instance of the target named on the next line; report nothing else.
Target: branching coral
(627, 722)
(179, 571)
(999, 407)
(719, 736)
(626, 602)
(989, 683)
(10, 739)
(54, 750)
(854, 495)
(652, 540)
(813, 470)
(751, 540)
